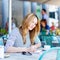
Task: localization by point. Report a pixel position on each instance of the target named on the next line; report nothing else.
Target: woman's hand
(47, 32)
(32, 48)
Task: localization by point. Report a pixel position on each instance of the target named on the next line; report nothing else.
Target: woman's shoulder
(47, 27)
(15, 30)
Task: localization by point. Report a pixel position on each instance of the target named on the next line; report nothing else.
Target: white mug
(46, 47)
(1, 51)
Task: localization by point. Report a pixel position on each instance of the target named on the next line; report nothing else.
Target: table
(34, 56)
(19, 56)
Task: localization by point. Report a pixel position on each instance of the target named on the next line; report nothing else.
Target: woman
(44, 26)
(44, 32)
(25, 37)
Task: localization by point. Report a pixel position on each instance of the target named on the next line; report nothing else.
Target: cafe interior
(15, 11)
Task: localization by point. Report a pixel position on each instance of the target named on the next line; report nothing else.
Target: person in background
(44, 30)
(53, 28)
(13, 23)
(44, 14)
(44, 26)
(25, 38)
(7, 24)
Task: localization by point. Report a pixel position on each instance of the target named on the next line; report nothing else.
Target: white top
(45, 16)
(15, 39)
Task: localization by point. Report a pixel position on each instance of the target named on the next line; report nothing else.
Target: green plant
(3, 31)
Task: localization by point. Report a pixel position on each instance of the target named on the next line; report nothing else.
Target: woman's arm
(37, 45)
(33, 48)
(16, 49)
(47, 32)
(9, 47)
(37, 42)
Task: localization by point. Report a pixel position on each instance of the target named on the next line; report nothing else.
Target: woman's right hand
(31, 49)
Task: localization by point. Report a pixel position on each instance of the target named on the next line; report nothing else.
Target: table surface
(19, 56)
(35, 56)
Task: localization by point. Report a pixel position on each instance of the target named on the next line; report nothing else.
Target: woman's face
(32, 24)
(43, 24)
(43, 12)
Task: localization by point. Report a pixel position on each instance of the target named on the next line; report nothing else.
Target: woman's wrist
(37, 45)
(34, 46)
(22, 49)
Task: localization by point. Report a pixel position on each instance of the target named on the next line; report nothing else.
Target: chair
(46, 38)
(51, 54)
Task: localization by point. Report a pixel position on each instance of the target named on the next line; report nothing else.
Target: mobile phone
(27, 53)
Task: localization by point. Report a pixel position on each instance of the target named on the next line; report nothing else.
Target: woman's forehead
(34, 20)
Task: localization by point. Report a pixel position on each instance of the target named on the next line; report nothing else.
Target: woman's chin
(30, 29)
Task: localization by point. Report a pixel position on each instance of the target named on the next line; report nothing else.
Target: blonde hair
(33, 32)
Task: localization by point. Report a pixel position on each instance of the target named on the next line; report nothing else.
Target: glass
(1, 48)
(1, 41)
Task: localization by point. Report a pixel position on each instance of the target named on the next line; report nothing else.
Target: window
(52, 15)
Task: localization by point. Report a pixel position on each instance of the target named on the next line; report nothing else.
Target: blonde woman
(25, 38)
